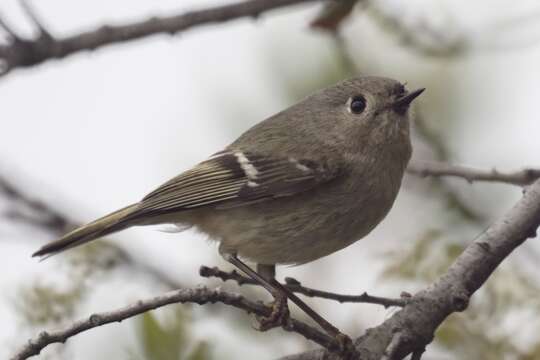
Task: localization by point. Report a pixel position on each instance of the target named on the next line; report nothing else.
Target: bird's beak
(402, 104)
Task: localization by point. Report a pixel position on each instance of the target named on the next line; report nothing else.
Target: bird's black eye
(358, 104)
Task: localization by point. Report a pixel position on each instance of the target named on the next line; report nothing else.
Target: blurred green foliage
(170, 341)
(44, 304)
(41, 304)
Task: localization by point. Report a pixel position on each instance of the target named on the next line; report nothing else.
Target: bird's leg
(345, 343)
(267, 271)
(280, 310)
(281, 293)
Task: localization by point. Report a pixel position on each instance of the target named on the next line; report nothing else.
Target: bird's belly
(281, 232)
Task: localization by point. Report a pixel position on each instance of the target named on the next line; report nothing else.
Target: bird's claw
(278, 316)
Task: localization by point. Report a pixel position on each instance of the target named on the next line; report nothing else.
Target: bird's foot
(278, 316)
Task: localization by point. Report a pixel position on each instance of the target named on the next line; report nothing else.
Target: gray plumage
(300, 185)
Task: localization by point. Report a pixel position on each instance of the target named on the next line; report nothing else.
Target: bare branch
(362, 298)
(26, 53)
(295, 286)
(437, 169)
(233, 275)
(199, 296)
(451, 293)
(416, 322)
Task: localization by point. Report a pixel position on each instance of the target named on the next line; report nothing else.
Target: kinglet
(298, 186)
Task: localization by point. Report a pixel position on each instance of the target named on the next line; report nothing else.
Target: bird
(300, 185)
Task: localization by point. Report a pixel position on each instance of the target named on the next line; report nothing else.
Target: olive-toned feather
(228, 179)
(234, 179)
(103, 226)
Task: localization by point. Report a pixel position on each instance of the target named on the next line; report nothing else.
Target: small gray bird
(298, 186)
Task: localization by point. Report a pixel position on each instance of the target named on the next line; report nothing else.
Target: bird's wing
(234, 179)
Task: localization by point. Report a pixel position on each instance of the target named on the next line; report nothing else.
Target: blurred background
(83, 136)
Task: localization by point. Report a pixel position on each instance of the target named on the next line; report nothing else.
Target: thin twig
(523, 177)
(362, 298)
(32, 15)
(233, 275)
(32, 52)
(295, 286)
(199, 296)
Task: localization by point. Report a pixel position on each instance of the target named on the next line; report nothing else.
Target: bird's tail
(108, 224)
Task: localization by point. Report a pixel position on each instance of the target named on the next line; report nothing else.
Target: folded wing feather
(235, 179)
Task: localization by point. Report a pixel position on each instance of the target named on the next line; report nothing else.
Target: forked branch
(295, 286)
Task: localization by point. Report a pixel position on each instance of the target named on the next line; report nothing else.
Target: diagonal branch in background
(24, 53)
(295, 286)
(199, 296)
(410, 329)
(332, 15)
(51, 220)
(45, 217)
(437, 169)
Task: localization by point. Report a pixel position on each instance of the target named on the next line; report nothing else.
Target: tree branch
(295, 286)
(199, 296)
(412, 328)
(523, 177)
(24, 53)
(408, 330)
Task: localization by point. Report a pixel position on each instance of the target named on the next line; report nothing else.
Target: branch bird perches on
(408, 331)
